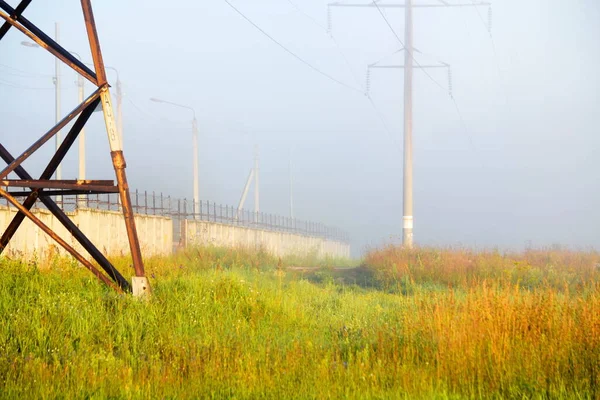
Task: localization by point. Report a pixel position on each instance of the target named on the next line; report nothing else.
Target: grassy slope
(221, 324)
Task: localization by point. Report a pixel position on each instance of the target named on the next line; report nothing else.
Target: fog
(514, 165)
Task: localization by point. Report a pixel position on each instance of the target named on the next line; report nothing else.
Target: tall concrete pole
(291, 188)
(57, 138)
(407, 228)
(81, 172)
(120, 108)
(196, 173)
(256, 185)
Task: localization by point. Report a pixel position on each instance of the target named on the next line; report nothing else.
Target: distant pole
(81, 172)
(291, 188)
(196, 172)
(120, 108)
(256, 184)
(407, 227)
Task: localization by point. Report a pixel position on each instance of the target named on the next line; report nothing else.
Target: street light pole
(256, 185)
(195, 164)
(291, 187)
(196, 190)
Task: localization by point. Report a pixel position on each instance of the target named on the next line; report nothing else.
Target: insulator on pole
(450, 81)
(368, 81)
(490, 21)
(329, 19)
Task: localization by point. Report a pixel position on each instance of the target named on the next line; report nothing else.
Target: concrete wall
(276, 243)
(106, 229)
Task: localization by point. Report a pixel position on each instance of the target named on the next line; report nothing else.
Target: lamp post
(196, 199)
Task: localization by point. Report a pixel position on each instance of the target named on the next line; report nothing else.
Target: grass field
(235, 324)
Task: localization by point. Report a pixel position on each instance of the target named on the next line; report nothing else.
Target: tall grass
(239, 328)
(558, 269)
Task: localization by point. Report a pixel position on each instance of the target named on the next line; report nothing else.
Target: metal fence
(150, 203)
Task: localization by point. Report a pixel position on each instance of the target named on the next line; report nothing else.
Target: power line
(307, 15)
(457, 108)
(332, 38)
(26, 73)
(383, 122)
(142, 111)
(291, 52)
(18, 86)
(464, 125)
(410, 50)
(378, 112)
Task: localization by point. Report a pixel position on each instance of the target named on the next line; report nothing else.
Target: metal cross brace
(13, 17)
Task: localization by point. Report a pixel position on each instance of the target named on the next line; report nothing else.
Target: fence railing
(150, 203)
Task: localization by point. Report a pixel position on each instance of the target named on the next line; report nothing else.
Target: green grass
(236, 324)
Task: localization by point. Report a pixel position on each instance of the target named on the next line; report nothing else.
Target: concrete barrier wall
(106, 229)
(276, 243)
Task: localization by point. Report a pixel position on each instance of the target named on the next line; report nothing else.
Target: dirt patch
(359, 276)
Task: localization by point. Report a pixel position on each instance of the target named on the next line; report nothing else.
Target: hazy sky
(522, 169)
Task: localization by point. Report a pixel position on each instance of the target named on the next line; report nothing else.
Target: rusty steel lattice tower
(44, 188)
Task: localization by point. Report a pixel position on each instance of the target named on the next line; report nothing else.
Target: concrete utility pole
(256, 186)
(407, 219)
(407, 204)
(291, 189)
(196, 172)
